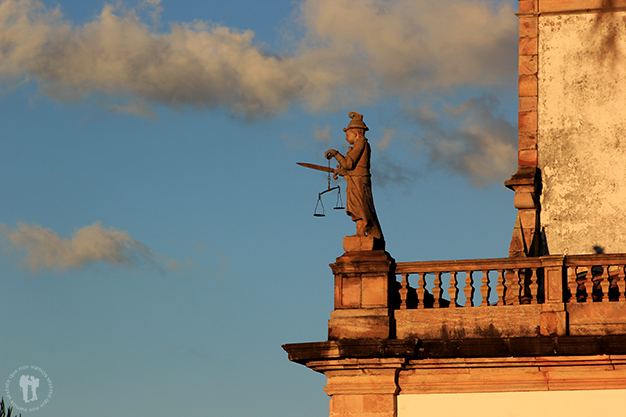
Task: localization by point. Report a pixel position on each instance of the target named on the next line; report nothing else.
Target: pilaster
(526, 182)
(553, 318)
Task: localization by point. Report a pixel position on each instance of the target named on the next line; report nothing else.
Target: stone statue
(355, 168)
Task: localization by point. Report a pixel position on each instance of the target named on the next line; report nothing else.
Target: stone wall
(582, 131)
(570, 188)
(515, 404)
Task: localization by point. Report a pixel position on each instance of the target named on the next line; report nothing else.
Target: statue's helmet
(356, 122)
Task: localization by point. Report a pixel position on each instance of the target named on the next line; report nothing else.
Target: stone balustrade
(481, 282)
(510, 281)
(376, 297)
(511, 297)
(595, 278)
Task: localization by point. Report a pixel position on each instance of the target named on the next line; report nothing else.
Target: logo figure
(32, 382)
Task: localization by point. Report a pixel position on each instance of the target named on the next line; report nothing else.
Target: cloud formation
(40, 248)
(470, 139)
(346, 53)
(351, 52)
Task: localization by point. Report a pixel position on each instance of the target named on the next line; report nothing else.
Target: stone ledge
(427, 351)
(351, 348)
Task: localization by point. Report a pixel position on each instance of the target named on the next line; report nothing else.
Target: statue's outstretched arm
(350, 160)
(337, 155)
(341, 168)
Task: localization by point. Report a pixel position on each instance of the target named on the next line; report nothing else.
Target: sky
(158, 243)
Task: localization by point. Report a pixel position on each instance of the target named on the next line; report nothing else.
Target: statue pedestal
(362, 243)
(364, 283)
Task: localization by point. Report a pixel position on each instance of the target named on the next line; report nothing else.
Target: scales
(319, 207)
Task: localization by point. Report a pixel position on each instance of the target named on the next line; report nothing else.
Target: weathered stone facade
(570, 188)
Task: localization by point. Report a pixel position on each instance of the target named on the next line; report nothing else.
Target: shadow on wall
(608, 25)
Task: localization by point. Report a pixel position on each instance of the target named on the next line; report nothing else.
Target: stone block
(379, 403)
(362, 280)
(475, 322)
(374, 291)
(526, 6)
(361, 243)
(527, 104)
(350, 292)
(527, 85)
(524, 201)
(527, 64)
(553, 323)
(596, 319)
(528, 46)
(377, 261)
(528, 27)
(527, 157)
(345, 404)
(528, 218)
(527, 121)
(527, 140)
(550, 6)
(360, 327)
(553, 285)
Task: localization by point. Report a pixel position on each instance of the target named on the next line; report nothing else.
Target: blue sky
(158, 239)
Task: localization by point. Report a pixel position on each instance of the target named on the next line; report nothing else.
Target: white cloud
(408, 46)
(352, 52)
(38, 248)
(117, 54)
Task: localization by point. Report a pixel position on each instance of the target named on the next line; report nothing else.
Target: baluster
(572, 283)
(589, 285)
(484, 288)
(621, 283)
(437, 290)
(613, 272)
(605, 283)
(513, 289)
(500, 288)
(421, 290)
(404, 290)
(469, 290)
(533, 286)
(453, 291)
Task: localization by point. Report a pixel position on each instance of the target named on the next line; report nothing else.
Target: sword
(318, 168)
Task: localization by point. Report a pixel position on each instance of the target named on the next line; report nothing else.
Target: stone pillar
(553, 319)
(362, 375)
(363, 296)
(362, 387)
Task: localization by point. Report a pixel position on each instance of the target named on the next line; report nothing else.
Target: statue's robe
(359, 199)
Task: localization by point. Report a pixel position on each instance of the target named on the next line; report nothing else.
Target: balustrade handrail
(507, 263)
(599, 259)
(467, 264)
